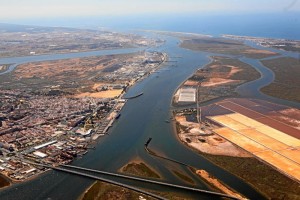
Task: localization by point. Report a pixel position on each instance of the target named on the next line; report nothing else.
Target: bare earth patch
(218, 81)
(102, 94)
(96, 85)
(219, 78)
(288, 120)
(204, 174)
(295, 113)
(190, 83)
(213, 144)
(259, 51)
(233, 69)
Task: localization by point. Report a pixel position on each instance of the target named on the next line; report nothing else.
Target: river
(141, 118)
(15, 61)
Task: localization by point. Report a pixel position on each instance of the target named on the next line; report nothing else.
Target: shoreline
(225, 162)
(174, 125)
(290, 45)
(235, 79)
(64, 53)
(13, 182)
(211, 156)
(6, 181)
(57, 57)
(138, 163)
(177, 34)
(165, 58)
(141, 79)
(213, 182)
(219, 160)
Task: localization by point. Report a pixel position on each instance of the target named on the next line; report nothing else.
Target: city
(48, 125)
(139, 99)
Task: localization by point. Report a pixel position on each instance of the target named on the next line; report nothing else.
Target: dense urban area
(53, 111)
(44, 118)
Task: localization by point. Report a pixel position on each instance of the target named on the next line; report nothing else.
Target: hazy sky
(20, 9)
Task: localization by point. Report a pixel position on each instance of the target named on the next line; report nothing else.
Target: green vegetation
(287, 82)
(140, 169)
(287, 46)
(262, 177)
(247, 72)
(102, 190)
(223, 68)
(184, 177)
(224, 46)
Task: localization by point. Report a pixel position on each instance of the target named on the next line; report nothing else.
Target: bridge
(99, 179)
(85, 172)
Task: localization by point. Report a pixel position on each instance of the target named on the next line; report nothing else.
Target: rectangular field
(261, 138)
(229, 122)
(275, 147)
(294, 153)
(260, 115)
(237, 121)
(240, 140)
(287, 139)
(245, 120)
(187, 95)
(282, 163)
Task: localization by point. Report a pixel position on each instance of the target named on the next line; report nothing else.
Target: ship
(118, 116)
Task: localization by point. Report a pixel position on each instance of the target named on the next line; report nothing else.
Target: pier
(135, 96)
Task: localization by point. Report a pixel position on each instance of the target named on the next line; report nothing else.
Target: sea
(282, 24)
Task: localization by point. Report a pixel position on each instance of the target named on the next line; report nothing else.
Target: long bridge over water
(86, 172)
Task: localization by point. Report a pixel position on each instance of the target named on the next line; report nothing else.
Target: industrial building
(187, 95)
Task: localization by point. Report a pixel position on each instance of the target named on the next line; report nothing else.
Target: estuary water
(15, 61)
(141, 118)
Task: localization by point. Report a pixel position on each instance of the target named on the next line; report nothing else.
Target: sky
(22, 9)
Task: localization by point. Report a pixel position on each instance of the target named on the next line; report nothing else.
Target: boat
(118, 116)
